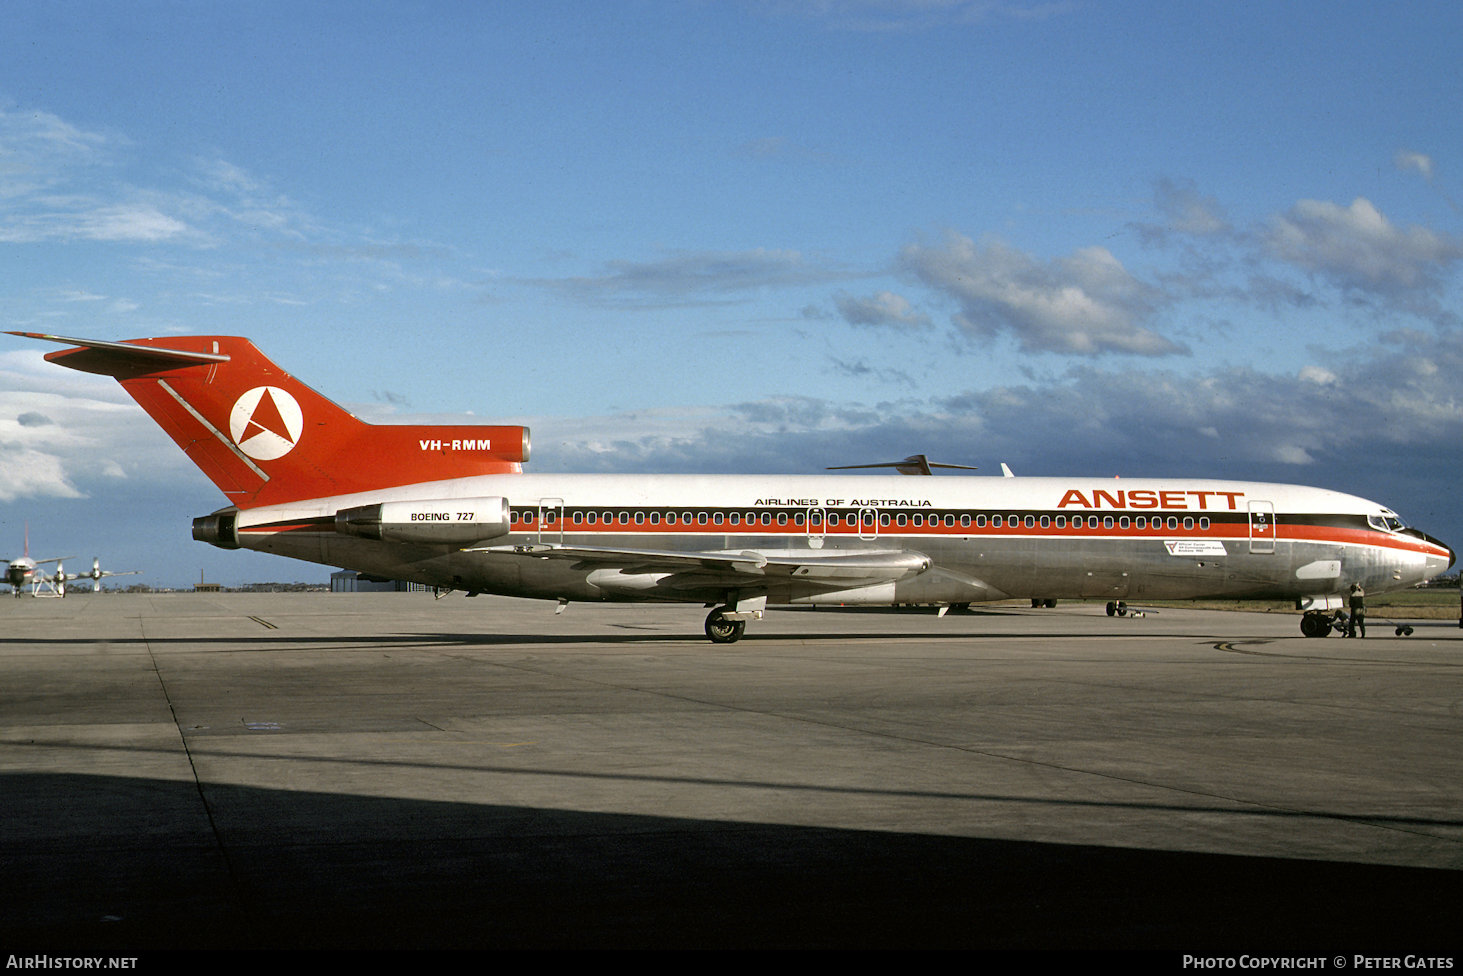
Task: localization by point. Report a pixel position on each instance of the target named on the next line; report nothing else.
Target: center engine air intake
(219, 529)
(442, 521)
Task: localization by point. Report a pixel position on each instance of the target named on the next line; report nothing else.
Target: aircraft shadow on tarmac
(624, 634)
(111, 862)
(1096, 807)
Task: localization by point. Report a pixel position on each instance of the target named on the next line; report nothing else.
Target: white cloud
(1351, 255)
(61, 431)
(1414, 160)
(127, 223)
(1317, 374)
(1357, 248)
(883, 308)
(1291, 454)
(1085, 304)
(59, 183)
(27, 473)
(38, 147)
(55, 184)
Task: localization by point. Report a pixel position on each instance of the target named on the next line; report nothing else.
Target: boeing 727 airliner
(449, 506)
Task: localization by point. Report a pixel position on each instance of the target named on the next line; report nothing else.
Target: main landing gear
(1117, 608)
(722, 629)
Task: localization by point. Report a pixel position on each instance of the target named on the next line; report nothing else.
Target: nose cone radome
(1440, 559)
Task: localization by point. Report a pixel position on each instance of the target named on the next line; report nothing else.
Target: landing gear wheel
(1048, 603)
(722, 630)
(1315, 624)
(1112, 608)
(1404, 631)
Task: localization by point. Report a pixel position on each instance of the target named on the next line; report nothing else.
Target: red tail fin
(264, 437)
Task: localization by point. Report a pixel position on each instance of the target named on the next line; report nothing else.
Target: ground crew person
(1358, 611)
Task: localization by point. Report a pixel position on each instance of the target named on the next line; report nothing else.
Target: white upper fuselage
(892, 492)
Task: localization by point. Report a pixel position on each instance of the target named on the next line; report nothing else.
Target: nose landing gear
(722, 629)
(1317, 623)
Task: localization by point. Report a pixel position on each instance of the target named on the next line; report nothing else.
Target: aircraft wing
(745, 569)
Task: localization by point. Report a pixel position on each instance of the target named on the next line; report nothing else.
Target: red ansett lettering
(1202, 501)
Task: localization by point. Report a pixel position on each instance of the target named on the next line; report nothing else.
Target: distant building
(350, 581)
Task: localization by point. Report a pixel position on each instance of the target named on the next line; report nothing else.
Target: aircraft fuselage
(985, 538)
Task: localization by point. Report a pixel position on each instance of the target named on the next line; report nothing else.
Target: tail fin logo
(266, 423)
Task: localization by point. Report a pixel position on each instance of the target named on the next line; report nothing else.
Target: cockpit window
(1385, 523)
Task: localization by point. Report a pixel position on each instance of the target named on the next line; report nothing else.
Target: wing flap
(744, 568)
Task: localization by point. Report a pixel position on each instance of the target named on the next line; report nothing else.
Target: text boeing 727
(450, 507)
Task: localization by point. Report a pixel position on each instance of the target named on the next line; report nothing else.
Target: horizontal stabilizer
(114, 358)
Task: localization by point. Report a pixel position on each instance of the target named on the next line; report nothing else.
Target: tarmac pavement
(394, 771)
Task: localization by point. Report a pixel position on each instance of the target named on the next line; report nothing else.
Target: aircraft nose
(1452, 556)
(1433, 564)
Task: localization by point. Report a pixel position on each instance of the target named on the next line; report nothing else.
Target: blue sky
(1218, 240)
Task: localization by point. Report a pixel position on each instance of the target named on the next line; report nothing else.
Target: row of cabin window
(1156, 523)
